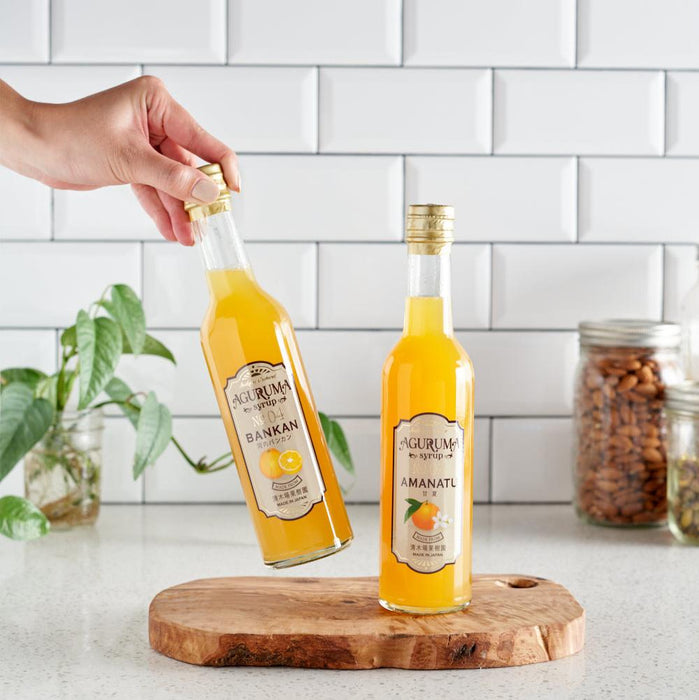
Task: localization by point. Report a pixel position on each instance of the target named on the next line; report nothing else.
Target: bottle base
(422, 611)
(309, 556)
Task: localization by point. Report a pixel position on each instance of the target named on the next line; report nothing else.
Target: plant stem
(199, 467)
(180, 449)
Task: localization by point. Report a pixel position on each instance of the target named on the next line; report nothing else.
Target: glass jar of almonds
(682, 412)
(620, 433)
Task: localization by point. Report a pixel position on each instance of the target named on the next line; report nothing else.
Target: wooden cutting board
(338, 623)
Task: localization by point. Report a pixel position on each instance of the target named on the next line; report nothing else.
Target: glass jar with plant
(59, 437)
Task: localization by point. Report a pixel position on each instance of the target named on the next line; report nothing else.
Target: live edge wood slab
(338, 623)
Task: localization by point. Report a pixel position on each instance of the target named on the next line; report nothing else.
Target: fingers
(180, 181)
(153, 206)
(179, 219)
(181, 127)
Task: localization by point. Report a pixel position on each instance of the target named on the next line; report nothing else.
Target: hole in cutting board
(517, 583)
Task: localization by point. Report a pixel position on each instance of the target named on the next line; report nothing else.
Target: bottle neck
(220, 243)
(428, 306)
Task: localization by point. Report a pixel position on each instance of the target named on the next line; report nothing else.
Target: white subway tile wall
(629, 34)
(639, 200)
(500, 199)
(24, 31)
(405, 110)
(168, 31)
(555, 286)
(493, 33)
(562, 112)
(682, 114)
(681, 268)
(362, 32)
(564, 132)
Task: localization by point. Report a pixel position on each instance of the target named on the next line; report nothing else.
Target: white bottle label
(428, 492)
(273, 435)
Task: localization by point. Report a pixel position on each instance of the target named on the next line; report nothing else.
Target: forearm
(19, 132)
(133, 133)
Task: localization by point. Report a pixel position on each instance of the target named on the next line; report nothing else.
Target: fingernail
(205, 191)
(239, 182)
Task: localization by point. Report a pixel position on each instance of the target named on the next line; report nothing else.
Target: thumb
(176, 179)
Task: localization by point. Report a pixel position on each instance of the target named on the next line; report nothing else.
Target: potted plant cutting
(59, 435)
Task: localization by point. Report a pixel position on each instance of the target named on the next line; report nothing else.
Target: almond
(627, 383)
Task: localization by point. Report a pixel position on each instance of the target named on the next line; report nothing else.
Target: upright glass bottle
(265, 400)
(427, 436)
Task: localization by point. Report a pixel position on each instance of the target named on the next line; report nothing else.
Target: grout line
(402, 33)
(404, 198)
(317, 109)
(317, 314)
(491, 427)
(576, 21)
(355, 242)
(142, 280)
(665, 113)
(227, 29)
(577, 199)
(365, 66)
(465, 155)
(662, 282)
(52, 211)
(50, 32)
(492, 286)
(492, 111)
(330, 329)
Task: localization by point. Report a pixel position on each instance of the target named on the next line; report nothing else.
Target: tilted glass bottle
(427, 436)
(265, 400)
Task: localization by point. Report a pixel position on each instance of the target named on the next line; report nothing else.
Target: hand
(134, 133)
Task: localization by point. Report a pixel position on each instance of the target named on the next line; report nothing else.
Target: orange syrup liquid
(426, 372)
(242, 325)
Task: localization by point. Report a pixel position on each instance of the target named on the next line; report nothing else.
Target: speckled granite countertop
(73, 608)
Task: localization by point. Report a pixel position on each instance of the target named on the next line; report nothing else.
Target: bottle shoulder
(437, 351)
(253, 311)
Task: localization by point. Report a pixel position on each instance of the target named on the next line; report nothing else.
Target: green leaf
(99, 350)
(21, 520)
(325, 424)
(24, 420)
(127, 310)
(340, 448)
(25, 375)
(118, 390)
(107, 306)
(151, 346)
(414, 505)
(69, 337)
(47, 389)
(153, 433)
(337, 442)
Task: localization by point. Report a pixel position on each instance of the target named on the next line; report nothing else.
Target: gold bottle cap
(429, 228)
(196, 210)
